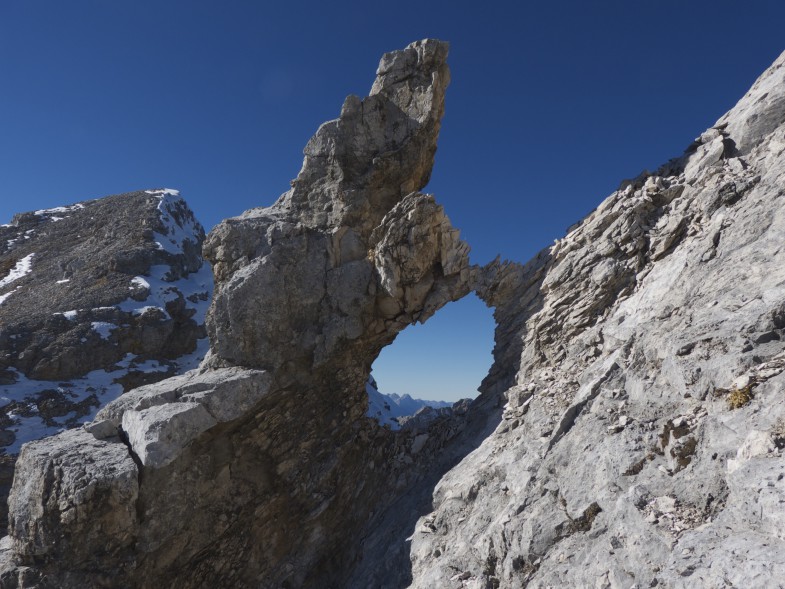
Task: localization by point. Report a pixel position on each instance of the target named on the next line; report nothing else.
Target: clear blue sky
(551, 105)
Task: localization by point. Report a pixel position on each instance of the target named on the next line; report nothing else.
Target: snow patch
(146, 309)
(70, 315)
(56, 210)
(169, 191)
(140, 282)
(194, 359)
(28, 425)
(6, 295)
(63, 281)
(195, 288)
(22, 267)
(176, 233)
(103, 328)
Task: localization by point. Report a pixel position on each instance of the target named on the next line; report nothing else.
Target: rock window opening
(433, 364)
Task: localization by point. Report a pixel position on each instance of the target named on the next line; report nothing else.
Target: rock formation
(95, 298)
(95, 285)
(71, 299)
(628, 433)
(641, 439)
(270, 436)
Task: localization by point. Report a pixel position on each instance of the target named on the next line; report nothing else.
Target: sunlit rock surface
(641, 438)
(270, 435)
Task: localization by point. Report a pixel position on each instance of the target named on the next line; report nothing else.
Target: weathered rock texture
(641, 438)
(65, 272)
(628, 434)
(268, 442)
(95, 298)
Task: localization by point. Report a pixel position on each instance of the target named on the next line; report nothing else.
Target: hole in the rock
(433, 364)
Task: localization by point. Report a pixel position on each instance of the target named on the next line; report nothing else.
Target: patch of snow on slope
(194, 359)
(170, 191)
(177, 232)
(58, 210)
(91, 392)
(86, 395)
(388, 409)
(22, 267)
(194, 288)
(6, 295)
(103, 328)
(34, 406)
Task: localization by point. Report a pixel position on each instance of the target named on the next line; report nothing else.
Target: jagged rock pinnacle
(307, 292)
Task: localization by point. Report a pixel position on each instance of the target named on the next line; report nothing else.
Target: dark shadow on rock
(385, 551)
(384, 557)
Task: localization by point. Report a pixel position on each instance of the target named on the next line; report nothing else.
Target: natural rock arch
(203, 479)
(260, 470)
(442, 360)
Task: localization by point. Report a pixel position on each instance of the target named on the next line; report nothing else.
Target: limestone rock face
(261, 468)
(90, 504)
(628, 434)
(96, 298)
(68, 290)
(314, 251)
(642, 358)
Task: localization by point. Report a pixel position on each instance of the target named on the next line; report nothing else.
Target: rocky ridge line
(641, 439)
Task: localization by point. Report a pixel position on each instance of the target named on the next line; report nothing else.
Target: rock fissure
(123, 436)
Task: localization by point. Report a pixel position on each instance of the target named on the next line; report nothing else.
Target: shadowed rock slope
(63, 267)
(105, 294)
(628, 433)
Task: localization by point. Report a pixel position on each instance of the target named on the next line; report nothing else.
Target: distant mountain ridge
(389, 408)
